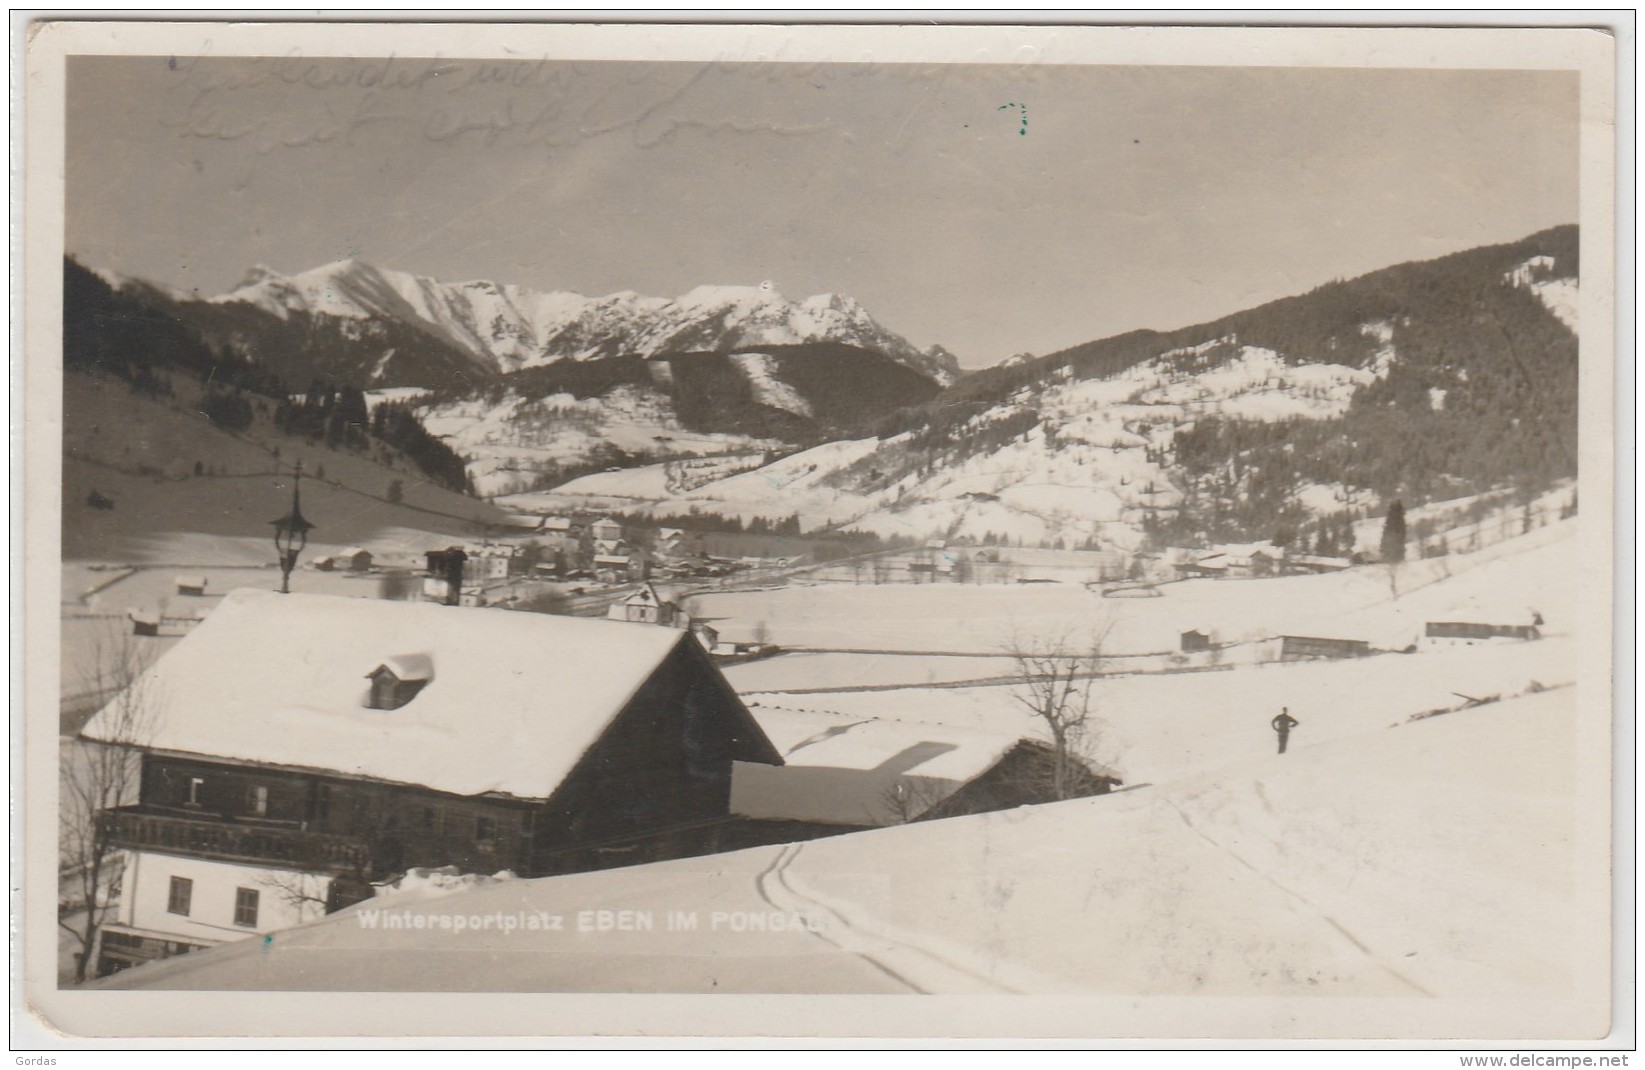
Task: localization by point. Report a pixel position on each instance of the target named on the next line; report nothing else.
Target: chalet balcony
(228, 841)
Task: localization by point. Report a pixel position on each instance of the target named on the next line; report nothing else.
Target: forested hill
(129, 335)
(1420, 381)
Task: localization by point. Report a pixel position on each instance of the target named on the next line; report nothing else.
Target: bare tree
(909, 799)
(1055, 678)
(97, 776)
(302, 890)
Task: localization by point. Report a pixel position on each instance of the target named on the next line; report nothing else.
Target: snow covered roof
(408, 667)
(617, 560)
(844, 770)
(517, 699)
(648, 594)
(192, 581)
(557, 523)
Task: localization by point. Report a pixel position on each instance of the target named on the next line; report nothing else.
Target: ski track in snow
(1301, 901)
(900, 955)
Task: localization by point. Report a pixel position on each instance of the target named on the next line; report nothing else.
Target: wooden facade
(655, 784)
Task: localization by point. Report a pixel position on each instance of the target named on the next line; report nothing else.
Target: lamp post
(291, 534)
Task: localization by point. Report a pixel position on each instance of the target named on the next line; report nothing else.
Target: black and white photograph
(1112, 519)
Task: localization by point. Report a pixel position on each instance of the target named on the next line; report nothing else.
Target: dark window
(182, 892)
(245, 907)
(256, 799)
(485, 830)
(322, 802)
(431, 818)
(194, 785)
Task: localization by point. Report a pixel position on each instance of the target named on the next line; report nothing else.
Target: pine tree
(1393, 533)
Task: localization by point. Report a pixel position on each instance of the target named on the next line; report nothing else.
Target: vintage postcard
(818, 531)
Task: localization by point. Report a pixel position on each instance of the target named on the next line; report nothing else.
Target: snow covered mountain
(505, 328)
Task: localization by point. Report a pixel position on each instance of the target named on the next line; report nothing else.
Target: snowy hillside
(1422, 382)
(510, 442)
(1346, 879)
(507, 327)
(1092, 464)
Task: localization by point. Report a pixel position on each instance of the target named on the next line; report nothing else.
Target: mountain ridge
(505, 328)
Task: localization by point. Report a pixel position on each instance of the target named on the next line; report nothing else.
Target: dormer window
(398, 680)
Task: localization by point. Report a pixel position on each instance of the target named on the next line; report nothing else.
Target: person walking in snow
(1283, 725)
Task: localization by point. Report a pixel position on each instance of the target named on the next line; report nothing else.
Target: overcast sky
(993, 209)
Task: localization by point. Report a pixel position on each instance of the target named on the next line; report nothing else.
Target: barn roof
(514, 702)
(844, 770)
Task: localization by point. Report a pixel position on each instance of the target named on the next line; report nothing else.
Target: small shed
(1195, 641)
(192, 586)
(1304, 647)
(1318, 563)
(1468, 633)
(356, 559)
(145, 622)
(325, 564)
(707, 635)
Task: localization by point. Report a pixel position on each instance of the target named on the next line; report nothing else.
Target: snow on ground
(391, 395)
(806, 671)
(1086, 472)
(1560, 295)
(933, 618)
(647, 482)
(1160, 726)
(507, 442)
(1429, 860)
(761, 372)
(1522, 573)
(1499, 518)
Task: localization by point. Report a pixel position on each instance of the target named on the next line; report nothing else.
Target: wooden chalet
(333, 742)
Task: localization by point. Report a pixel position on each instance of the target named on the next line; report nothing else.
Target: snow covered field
(1507, 580)
(1155, 727)
(1432, 860)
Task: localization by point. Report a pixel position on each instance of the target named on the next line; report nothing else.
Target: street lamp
(291, 534)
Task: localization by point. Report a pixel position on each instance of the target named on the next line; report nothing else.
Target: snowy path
(911, 960)
(1298, 903)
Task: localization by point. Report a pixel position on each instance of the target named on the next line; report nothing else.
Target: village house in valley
(303, 747)
(649, 606)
